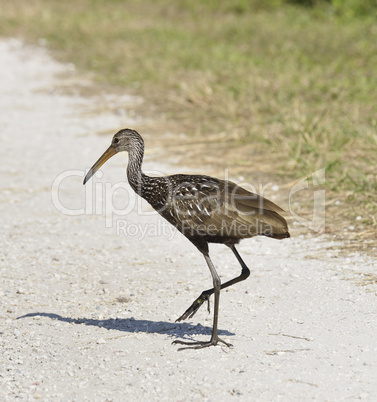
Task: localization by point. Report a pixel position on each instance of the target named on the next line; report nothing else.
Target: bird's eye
(116, 140)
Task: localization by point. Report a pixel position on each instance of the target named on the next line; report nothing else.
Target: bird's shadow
(131, 325)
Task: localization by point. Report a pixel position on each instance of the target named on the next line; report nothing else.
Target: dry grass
(279, 90)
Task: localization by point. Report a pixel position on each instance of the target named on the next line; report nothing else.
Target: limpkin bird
(205, 210)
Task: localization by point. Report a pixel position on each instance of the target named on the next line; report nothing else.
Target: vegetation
(290, 83)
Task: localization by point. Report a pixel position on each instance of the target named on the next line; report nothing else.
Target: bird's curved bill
(106, 155)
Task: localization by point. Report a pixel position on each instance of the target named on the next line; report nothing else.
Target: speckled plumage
(205, 209)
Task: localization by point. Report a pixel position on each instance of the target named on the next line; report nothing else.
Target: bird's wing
(208, 206)
(251, 206)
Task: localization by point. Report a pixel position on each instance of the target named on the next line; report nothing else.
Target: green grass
(298, 84)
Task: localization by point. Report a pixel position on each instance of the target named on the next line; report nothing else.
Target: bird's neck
(137, 179)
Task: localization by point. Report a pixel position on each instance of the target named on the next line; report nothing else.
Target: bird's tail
(278, 236)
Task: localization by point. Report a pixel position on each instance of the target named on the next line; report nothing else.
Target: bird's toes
(201, 344)
(191, 311)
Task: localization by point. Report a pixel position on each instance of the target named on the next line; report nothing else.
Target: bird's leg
(190, 312)
(214, 337)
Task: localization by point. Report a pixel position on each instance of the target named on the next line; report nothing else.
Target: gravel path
(88, 311)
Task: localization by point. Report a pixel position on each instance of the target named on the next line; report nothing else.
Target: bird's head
(123, 140)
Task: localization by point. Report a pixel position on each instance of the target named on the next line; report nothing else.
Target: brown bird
(205, 210)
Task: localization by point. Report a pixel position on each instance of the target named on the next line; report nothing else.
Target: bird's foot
(191, 311)
(201, 344)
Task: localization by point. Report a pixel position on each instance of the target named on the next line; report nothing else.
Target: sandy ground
(88, 305)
